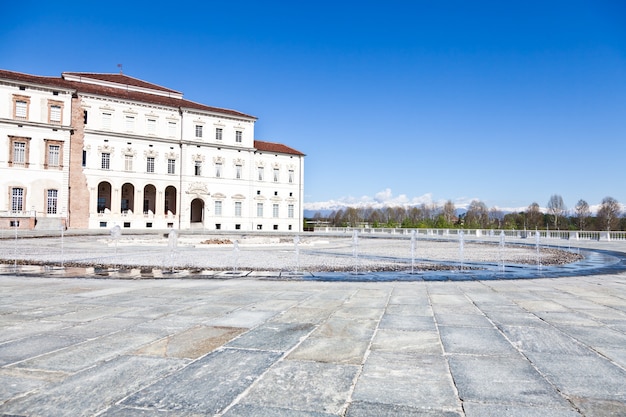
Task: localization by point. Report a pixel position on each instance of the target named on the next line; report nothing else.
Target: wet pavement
(252, 346)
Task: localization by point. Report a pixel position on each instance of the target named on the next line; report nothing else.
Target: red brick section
(78, 215)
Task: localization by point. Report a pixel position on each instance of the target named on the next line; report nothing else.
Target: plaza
(265, 346)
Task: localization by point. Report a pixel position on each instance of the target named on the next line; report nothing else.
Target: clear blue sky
(398, 101)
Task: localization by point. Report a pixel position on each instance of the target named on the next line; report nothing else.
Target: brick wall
(78, 192)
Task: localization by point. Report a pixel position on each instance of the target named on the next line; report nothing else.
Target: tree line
(609, 216)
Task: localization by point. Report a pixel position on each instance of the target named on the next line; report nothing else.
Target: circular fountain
(347, 257)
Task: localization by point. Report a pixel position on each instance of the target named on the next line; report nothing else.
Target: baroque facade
(93, 151)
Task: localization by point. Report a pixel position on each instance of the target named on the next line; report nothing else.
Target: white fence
(543, 234)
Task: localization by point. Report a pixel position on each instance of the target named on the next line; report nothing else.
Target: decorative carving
(198, 188)
(106, 149)
(151, 153)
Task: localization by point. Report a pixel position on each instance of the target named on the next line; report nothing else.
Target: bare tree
(582, 213)
(556, 208)
(496, 216)
(533, 216)
(608, 213)
(477, 214)
(449, 211)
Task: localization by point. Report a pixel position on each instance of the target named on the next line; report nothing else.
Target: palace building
(90, 151)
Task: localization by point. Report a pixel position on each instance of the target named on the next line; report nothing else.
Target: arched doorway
(149, 199)
(170, 200)
(127, 205)
(197, 210)
(104, 197)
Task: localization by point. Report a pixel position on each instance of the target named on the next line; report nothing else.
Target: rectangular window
(238, 136)
(21, 109)
(198, 168)
(198, 131)
(150, 164)
(218, 170)
(128, 162)
(106, 161)
(171, 129)
(55, 113)
(218, 133)
(51, 205)
(130, 123)
(259, 209)
(54, 155)
(237, 208)
(260, 173)
(218, 208)
(106, 120)
(238, 169)
(276, 174)
(19, 153)
(151, 126)
(275, 210)
(17, 199)
(290, 211)
(291, 176)
(171, 166)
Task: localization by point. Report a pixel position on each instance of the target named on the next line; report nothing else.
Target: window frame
(52, 201)
(21, 99)
(49, 162)
(105, 161)
(150, 161)
(13, 140)
(15, 200)
(53, 104)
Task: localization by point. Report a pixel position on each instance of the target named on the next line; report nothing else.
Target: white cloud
(384, 198)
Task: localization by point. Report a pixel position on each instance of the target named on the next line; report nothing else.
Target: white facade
(34, 153)
(151, 159)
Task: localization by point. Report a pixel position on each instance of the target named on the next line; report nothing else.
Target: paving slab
(206, 386)
(508, 379)
(96, 389)
(411, 380)
(304, 386)
(273, 336)
(516, 410)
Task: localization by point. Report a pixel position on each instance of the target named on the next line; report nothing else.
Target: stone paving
(251, 347)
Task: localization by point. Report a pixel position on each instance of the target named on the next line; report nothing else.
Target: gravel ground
(312, 253)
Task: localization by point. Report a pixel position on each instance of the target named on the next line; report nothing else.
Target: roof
(275, 147)
(122, 79)
(165, 97)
